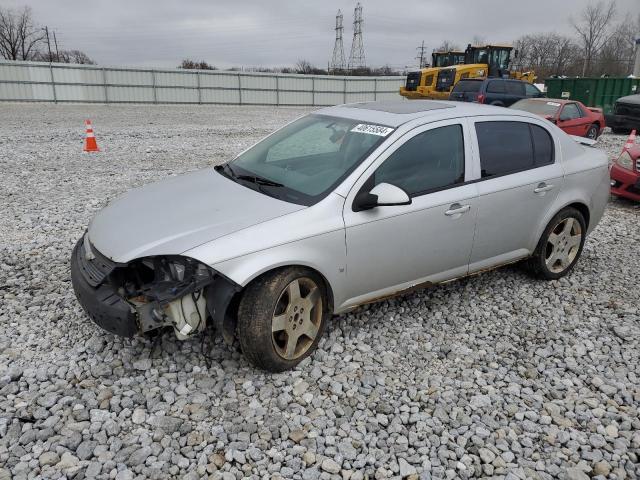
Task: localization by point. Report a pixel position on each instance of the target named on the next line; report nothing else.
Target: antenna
(337, 61)
(356, 57)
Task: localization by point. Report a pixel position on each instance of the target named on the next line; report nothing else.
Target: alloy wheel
(297, 318)
(563, 245)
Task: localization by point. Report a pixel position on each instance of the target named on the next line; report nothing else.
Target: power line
(356, 57)
(337, 61)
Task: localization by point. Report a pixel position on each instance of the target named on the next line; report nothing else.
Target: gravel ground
(497, 375)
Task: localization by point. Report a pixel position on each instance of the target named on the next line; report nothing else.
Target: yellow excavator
(479, 62)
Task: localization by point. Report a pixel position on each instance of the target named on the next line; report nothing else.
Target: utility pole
(46, 30)
(420, 57)
(356, 57)
(56, 43)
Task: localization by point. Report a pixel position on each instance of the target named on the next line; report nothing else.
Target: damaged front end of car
(150, 293)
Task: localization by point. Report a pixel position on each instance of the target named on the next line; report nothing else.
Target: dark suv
(493, 91)
(625, 115)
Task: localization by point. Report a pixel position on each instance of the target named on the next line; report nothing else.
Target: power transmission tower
(337, 61)
(421, 59)
(356, 57)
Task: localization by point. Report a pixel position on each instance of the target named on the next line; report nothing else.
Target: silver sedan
(341, 207)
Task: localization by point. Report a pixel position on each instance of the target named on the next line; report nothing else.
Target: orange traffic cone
(631, 141)
(90, 144)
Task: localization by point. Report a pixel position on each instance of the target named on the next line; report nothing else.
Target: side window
(570, 112)
(515, 88)
(531, 90)
(429, 161)
(428, 80)
(496, 86)
(542, 146)
(505, 147)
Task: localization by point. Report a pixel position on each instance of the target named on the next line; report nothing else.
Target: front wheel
(560, 246)
(592, 133)
(282, 317)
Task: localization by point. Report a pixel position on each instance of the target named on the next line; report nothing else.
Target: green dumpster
(593, 92)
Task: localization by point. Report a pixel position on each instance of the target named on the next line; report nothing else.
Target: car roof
(397, 112)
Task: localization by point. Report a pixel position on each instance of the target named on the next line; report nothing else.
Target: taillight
(480, 98)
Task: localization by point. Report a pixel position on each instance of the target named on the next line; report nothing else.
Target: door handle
(457, 209)
(542, 188)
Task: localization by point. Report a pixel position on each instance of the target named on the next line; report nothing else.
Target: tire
(568, 251)
(592, 133)
(271, 302)
(497, 104)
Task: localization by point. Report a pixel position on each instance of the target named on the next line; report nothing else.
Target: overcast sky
(279, 32)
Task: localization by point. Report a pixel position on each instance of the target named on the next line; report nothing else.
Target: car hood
(177, 214)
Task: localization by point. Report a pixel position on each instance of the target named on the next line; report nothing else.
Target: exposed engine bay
(151, 293)
(166, 291)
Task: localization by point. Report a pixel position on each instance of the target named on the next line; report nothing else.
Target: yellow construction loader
(479, 62)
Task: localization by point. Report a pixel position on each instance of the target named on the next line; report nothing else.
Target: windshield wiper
(259, 180)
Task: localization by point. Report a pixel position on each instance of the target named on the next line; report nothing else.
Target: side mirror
(382, 195)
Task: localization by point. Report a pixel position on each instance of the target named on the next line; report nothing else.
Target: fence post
(104, 82)
(155, 97)
(375, 89)
(344, 94)
(277, 90)
(53, 83)
(239, 90)
(199, 91)
(313, 91)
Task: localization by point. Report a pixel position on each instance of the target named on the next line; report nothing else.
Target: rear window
(496, 86)
(509, 147)
(467, 86)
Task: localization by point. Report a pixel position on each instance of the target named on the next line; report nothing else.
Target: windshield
(544, 108)
(304, 161)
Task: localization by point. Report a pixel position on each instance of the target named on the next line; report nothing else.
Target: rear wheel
(592, 133)
(560, 246)
(282, 317)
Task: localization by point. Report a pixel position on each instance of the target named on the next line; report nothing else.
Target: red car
(571, 116)
(625, 171)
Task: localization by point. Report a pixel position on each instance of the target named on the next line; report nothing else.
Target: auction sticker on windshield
(372, 129)
(553, 104)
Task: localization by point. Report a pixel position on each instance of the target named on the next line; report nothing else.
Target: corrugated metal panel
(390, 85)
(359, 97)
(24, 73)
(129, 77)
(260, 97)
(329, 85)
(130, 94)
(260, 82)
(220, 96)
(387, 96)
(79, 75)
(296, 98)
(361, 86)
(593, 92)
(80, 93)
(177, 79)
(291, 83)
(218, 80)
(177, 95)
(24, 91)
(329, 98)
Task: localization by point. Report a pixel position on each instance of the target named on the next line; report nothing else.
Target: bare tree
(188, 64)
(19, 36)
(303, 66)
(447, 46)
(593, 30)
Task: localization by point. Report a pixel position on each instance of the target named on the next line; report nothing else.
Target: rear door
(572, 120)
(466, 91)
(519, 182)
(514, 92)
(496, 92)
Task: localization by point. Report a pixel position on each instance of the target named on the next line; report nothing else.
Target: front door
(572, 120)
(391, 248)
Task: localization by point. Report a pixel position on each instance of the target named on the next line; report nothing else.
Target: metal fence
(58, 82)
